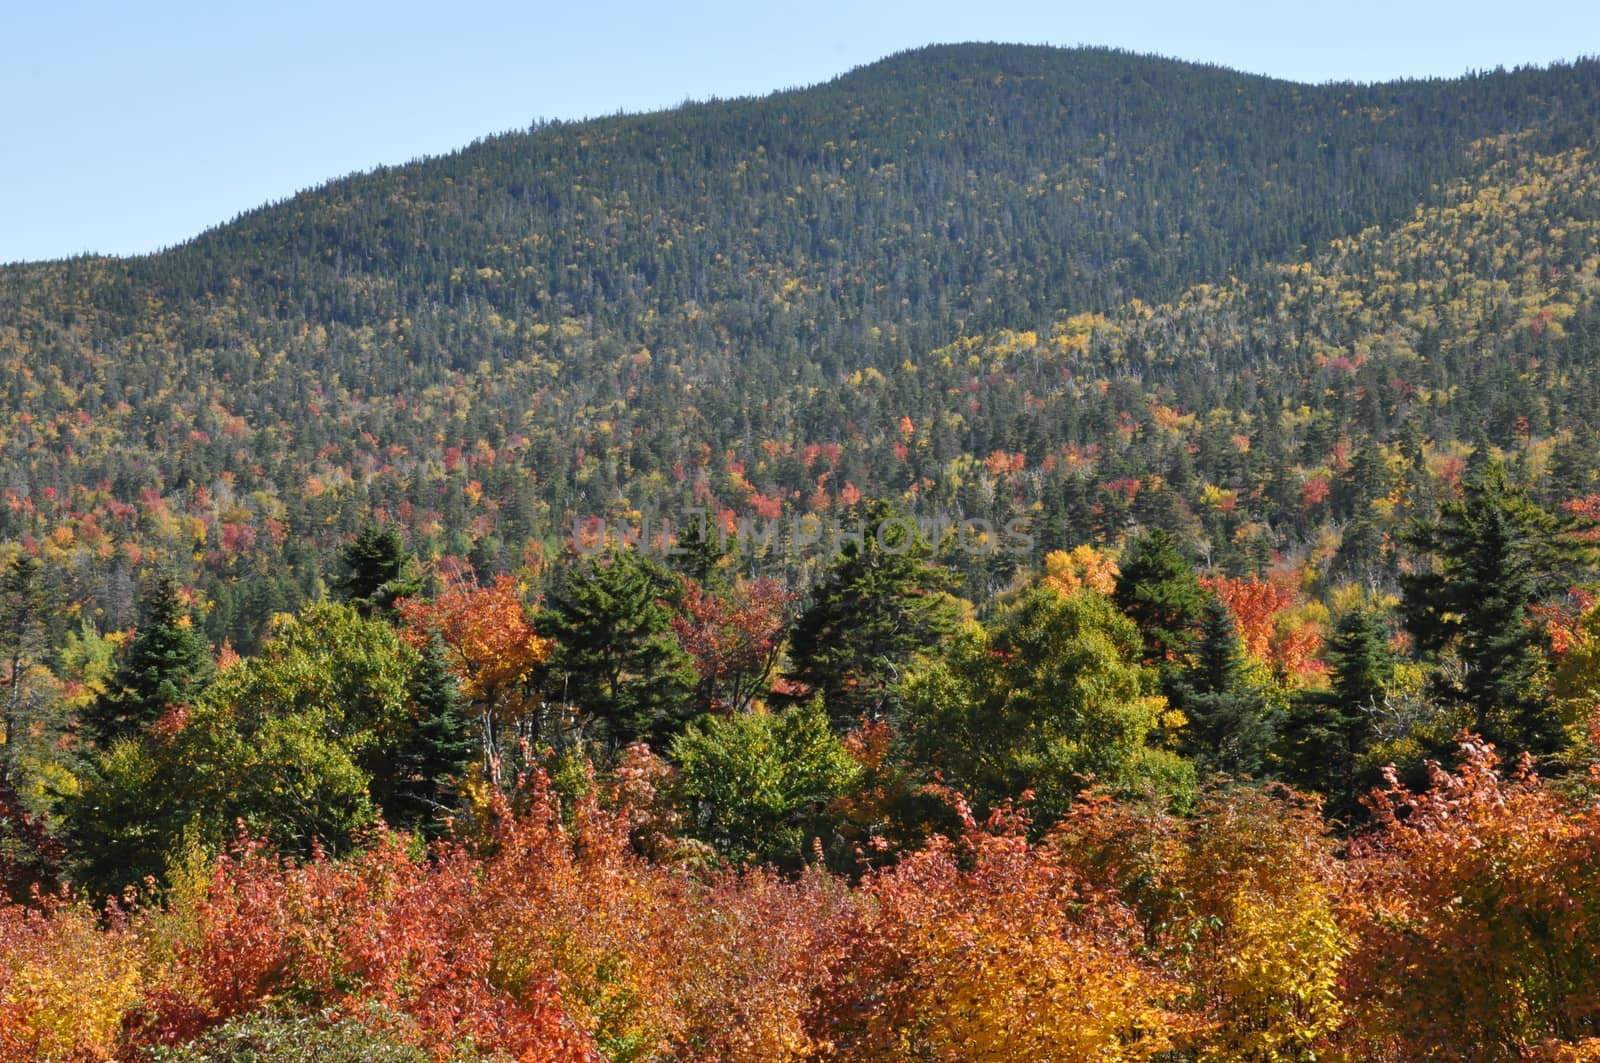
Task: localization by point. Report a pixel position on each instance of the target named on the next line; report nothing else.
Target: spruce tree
(375, 571)
(432, 754)
(1232, 722)
(1495, 554)
(880, 605)
(616, 657)
(1328, 730)
(168, 663)
(1157, 589)
(24, 603)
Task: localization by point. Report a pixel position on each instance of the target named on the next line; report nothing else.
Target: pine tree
(1328, 730)
(616, 657)
(880, 605)
(167, 664)
(1232, 723)
(1157, 588)
(1495, 554)
(375, 571)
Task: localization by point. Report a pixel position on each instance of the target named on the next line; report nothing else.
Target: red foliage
(734, 639)
(1258, 607)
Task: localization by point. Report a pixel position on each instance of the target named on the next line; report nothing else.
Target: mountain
(1083, 287)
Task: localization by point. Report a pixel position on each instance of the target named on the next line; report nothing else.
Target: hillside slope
(779, 304)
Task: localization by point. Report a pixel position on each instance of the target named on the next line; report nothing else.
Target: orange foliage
(1477, 911)
(1269, 634)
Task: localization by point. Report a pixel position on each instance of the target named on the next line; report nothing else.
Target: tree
(1494, 554)
(167, 665)
(433, 753)
(881, 604)
(24, 604)
(615, 656)
(758, 782)
(490, 646)
(1158, 589)
(286, 743)
(735, 637)
(375, 570)
(1328, 730)
(1048, 697)
(1232, 723)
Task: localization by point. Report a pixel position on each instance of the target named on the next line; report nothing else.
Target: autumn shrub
(1476, 907)
(1239, 901)
(67, 978)
(987, 948)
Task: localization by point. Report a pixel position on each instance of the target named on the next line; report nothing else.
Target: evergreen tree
(1232, 722)
(1157, 588)
(24, 603)
(1328, 730)
(704, 554)
(375, 571)
(1494, 555)
(432, 754)
(168, 663)
(616, 657)
(880, 605)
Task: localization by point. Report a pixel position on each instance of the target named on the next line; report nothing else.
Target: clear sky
(126, 127)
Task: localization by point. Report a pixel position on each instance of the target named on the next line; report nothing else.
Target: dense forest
(418, 639)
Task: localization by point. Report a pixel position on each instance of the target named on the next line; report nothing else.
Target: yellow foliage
(1083, 566)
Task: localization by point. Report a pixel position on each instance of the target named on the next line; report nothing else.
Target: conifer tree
(375, 571)
(1495, 553)
(167, 664)
(1157, 588)
(433, 753)
(1329, 729)
(24, 602)
(1232, 723)
(616, 657)
(880, 605)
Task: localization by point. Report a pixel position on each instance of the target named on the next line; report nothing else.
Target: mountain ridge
(646, 313)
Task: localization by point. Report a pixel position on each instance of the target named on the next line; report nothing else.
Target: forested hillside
(1213, 670)
(619, 316)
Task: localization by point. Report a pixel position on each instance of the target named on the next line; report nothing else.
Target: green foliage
(167, 666)
(1157, 587)
(375, 570)
(616, 657)
(759, 782)
(268, 1037)
(1328, 731)
(880, 606)
(414, 780)
(1049, 697)
(1232, 721)
(284, 745)
(1493, 554)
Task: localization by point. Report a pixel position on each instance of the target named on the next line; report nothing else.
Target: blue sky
(126, 127)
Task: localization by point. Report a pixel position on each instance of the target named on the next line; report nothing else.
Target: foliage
(735, 639)
(1048, 697)
(880, 605)
(1495, 551)
(375, 570)
(616, 659)
(165, 667)
(1475, 907)
(492, 650)
(987, 948)
(759, 782)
